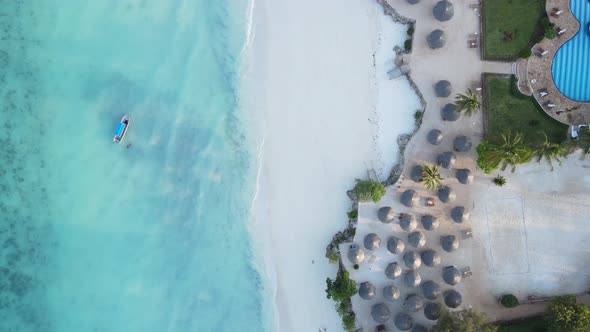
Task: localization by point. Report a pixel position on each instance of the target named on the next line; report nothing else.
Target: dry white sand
(314, 95)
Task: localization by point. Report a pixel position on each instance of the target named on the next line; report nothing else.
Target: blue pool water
(571, 65)
(99, 238)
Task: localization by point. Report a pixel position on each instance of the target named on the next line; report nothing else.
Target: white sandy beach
(312, 91)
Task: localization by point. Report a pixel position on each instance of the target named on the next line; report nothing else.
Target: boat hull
(121, 129)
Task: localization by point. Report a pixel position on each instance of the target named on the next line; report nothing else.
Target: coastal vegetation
(431, 178)
(463, 321)
(341, 290)
(467, 103)
(509, 301)
(367, 190)
(511, 27)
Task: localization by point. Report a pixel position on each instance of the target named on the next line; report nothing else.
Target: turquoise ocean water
(100, 238)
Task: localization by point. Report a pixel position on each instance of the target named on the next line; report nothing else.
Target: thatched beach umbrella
(367, 290)
(462, 143)
(355, 254)
(403, 321)
(435, 136)
(412, 278)
(446, 194)
(407, 222)
(430, 258)
(432, 310)
(417, 239)
(409, 198)
(449, 243)
(412, 260)
(443, 88)
(380, 313)
(413, 303)
(443, 11)
(436, 39)
(430, 222)
(416, 173)
(393, 271)
(446, 159)
(391, 293)
(453, 299)
(372, 241)
(449, 112)
(395, 245)
(419, 328)
(459, 214)
(464, 176)
(385, 214)
(431, 290)
(451, 275)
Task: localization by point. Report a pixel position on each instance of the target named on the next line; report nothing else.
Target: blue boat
(121, 129)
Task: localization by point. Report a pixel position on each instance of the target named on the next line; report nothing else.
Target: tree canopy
(467, 103)
(565, 315)
(342, 288)
(367, 190)
(431, 179)
(505, 150)
(462, 321)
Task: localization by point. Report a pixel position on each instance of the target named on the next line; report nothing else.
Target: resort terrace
(535, 73)
(466, 245)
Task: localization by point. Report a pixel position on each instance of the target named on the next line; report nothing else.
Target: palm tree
(551, 152)
(467, 103)
(499, 180)
(431, 179)
(507, 149)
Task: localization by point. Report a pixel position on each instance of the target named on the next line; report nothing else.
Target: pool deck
(534, 73)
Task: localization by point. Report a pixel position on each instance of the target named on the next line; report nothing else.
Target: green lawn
(509, 110)
(530, 325)
(508, 26)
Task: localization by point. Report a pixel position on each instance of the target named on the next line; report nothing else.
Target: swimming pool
(571, 65)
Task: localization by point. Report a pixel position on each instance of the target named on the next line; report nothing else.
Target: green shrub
(550, 33)
(410, 30)
(408, 44)
(418, 115)
(355, 266)
(354, 214)
(348, 321)
(526, 53)
(534, 123)
(509, 301)
(514, 88)
(545, 23)
(332, 257)
(367, 190)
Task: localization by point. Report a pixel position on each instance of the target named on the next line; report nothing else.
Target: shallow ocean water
(99, 237)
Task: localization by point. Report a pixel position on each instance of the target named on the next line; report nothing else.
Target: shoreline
(287, 237)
